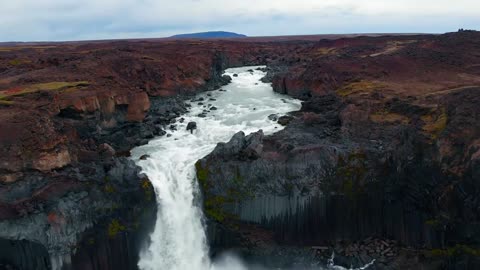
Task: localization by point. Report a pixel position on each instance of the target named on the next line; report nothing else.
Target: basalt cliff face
(386, 145)
(382, 161)
(70, 196)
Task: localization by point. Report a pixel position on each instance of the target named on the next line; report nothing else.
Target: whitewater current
(178, 241)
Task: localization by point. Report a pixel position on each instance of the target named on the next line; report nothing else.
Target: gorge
(244, 105)
(380, 160)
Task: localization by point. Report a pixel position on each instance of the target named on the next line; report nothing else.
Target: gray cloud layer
(101, 19)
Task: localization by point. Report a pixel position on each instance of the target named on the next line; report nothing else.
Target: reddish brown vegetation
(424, 84)
(365, 70)
(430, 74)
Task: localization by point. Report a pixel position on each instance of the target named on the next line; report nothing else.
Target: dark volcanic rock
(144, 157)
(191, 126)
(65, 182)
(284, 120)
(22, 254)
(273, 117)
(117, 201)
(386, 144)
(226, 79)
(333, 167)
(272, 71)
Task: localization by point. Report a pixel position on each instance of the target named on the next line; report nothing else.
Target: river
(178, 241)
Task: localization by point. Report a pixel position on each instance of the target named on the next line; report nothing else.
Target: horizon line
(222, 38)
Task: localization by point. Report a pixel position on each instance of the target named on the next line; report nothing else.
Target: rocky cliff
(70, 196)
(384, 147)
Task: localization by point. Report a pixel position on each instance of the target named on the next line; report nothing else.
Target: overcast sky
(42, 20)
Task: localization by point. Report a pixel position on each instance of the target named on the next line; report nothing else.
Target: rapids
(178, 241)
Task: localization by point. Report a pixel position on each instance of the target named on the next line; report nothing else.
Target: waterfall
(179, 240)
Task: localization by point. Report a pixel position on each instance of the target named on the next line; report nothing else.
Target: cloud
(93, 19)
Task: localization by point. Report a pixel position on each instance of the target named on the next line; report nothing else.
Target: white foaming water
(179, 241)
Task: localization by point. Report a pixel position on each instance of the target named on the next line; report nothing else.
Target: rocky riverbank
(71, 198)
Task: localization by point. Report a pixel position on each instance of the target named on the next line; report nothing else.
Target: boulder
(284, 120)
(226, 79)
(273, 117)
(144, 157)
(52, 160)
(106, 151)
(191, 126)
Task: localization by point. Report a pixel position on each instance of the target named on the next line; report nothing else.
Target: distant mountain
(212, 34)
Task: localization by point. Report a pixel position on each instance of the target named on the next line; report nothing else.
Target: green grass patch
(359, 87)
(202, 175)
(434, 125)
(457, 250)
(389, 117)
(214, 204)
(55, 86)
(6, 102)
(18, 62)
(433, 222)
(51, 86)
(350, 173)
(147, 188)
(114, 228)
(324, 51)
(213, 208)
(109, 188)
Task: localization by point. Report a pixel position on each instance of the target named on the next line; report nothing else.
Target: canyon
(385, 149)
